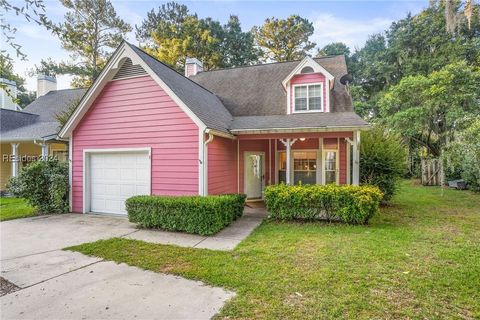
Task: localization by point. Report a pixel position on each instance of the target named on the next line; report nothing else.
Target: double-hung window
(308, 97)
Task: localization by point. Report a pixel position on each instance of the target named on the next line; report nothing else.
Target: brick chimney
(192, 67)
(45, 84)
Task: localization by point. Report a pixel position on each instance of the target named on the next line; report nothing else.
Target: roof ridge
(268, 64)
(164, 64)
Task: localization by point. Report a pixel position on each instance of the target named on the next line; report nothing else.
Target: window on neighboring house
(308, 97)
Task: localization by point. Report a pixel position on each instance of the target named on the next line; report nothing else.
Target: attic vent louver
(128, 70)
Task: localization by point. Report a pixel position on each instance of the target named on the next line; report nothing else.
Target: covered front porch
(296, 158)
(17, 154)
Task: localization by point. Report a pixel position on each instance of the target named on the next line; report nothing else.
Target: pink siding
(222, 166)
(305, 79)
(311, 143)
(135, 113)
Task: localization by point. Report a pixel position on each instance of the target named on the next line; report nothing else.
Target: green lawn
(14, 208)
(420, 258)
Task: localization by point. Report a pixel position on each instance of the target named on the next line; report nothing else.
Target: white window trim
(307, 85)
(86, 167)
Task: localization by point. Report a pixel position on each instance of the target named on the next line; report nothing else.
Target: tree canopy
(284, 39)
(172, 34)
(90, 32)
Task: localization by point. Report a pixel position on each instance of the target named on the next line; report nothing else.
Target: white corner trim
(307, 62)
(86, 167)
(70, 174)
(122, 52)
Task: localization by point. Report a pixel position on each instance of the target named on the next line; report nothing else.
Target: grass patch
(420, 258)
(15, 208)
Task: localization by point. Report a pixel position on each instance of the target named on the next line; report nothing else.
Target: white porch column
(44, 151)
(288, 145)
(356, 158)
(289, 162)
(15, 159)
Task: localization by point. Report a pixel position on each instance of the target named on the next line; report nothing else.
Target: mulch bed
(7, 287)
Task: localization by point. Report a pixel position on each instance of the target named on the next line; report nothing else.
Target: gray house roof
(37, 120)
(218, 97)
(258, 91)
(11, 119)
(203, 103)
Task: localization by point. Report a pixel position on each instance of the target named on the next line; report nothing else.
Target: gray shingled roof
(11, 119)
(300, 120)
(54, 102)
(258, 91)
(37, 120)
(203, 103)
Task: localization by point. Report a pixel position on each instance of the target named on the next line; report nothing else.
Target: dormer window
(308, 97)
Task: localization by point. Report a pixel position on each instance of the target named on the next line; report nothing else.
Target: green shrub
(383, 160)
(350, 204)
(192, 214)
(44, 185)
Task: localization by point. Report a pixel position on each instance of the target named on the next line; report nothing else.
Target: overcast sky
(346, 21)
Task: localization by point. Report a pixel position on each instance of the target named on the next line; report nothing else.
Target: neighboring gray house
(32, 132)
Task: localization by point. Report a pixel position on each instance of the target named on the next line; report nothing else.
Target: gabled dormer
(308, 88)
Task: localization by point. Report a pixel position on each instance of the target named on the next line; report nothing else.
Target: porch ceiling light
(302, 139)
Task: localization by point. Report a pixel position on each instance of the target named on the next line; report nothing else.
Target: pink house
(143, 128)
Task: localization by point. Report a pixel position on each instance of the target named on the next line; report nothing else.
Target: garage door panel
(115, 177)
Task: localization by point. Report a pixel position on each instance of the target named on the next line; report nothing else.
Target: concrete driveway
(57, 284)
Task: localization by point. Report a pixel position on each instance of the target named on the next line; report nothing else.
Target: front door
(254, 163)
(330, 167)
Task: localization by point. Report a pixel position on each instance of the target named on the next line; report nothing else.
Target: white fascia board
(221, 134)
(115, 62)
(299, 130)
(307, 62)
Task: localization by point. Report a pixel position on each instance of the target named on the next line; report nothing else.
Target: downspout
(205, 161)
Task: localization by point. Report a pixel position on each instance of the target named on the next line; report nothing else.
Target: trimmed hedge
(192, 214)
(349, 204)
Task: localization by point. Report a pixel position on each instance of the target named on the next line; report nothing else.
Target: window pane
(314, 91)
(315, 103)
(283, 160)
(301, 92)
(300, 104)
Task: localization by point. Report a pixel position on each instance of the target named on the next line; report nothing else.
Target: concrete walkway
(227, 239)
(57, 284)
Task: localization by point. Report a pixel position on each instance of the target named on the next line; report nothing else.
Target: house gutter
(205, 160)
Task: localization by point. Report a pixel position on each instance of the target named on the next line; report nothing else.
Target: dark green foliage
(462, 156)
(349, 204)
(193, 214)
(44, 185)
(383, 160)
(333, 49)
(172, 34)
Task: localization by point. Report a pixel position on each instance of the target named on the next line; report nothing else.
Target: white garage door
(115, 177)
